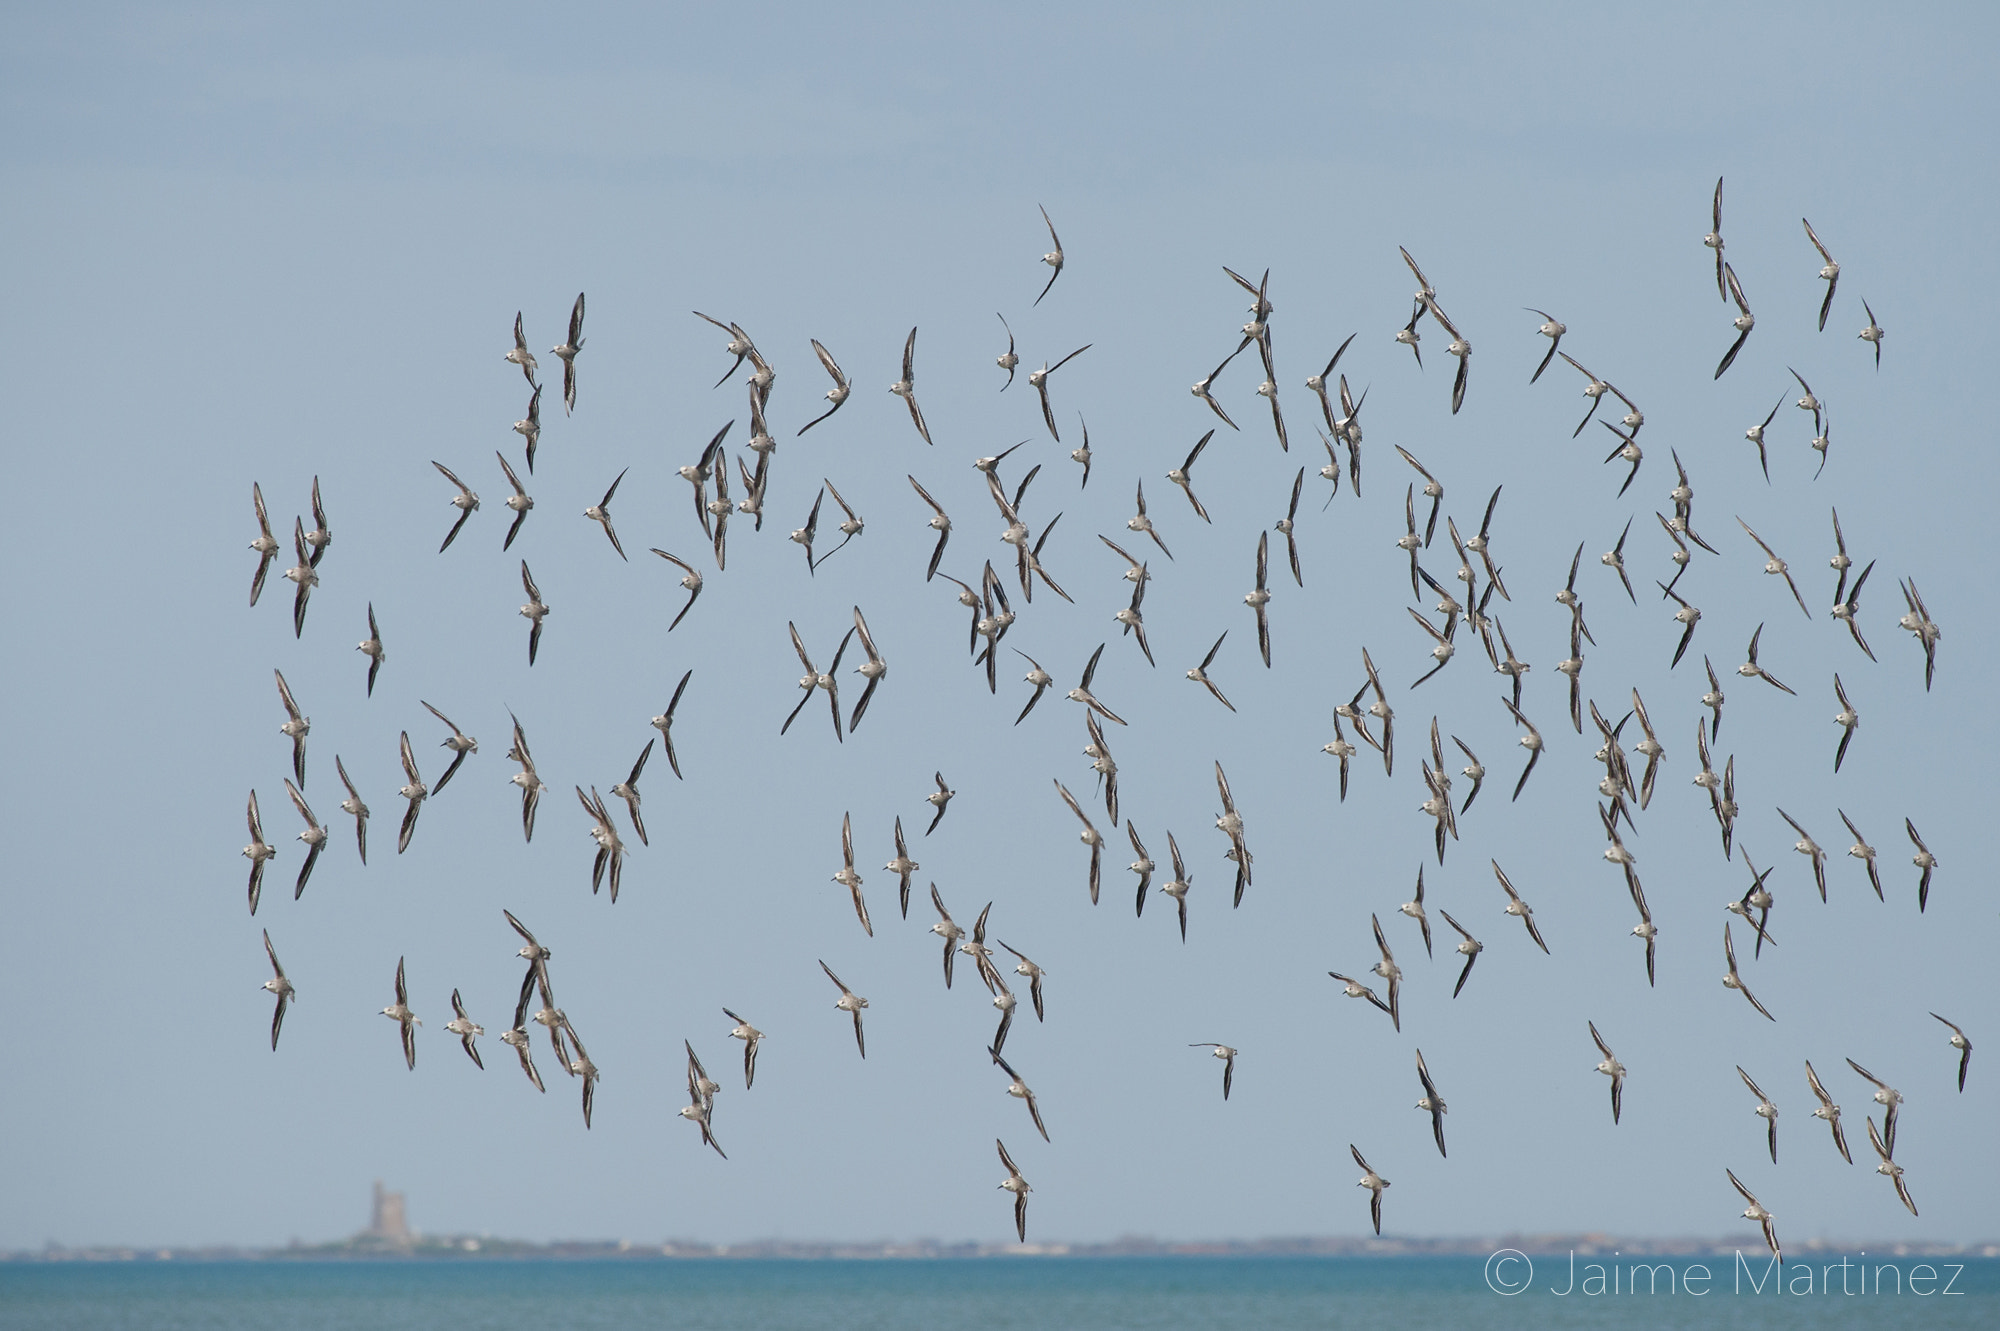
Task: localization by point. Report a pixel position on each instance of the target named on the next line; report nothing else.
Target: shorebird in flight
(1228, 1057)
(281, 988)
(1612, 1068)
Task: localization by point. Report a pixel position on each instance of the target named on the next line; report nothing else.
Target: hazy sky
(261, 246)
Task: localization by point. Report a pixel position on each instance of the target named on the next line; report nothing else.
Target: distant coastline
(370, 1246)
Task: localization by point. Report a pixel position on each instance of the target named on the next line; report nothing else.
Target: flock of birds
(1627, 785)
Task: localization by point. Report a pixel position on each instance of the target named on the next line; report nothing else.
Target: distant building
(387, 1218)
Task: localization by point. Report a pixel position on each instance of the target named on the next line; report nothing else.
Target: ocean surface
(1075, 1294)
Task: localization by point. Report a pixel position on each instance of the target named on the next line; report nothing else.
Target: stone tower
(387, 1219)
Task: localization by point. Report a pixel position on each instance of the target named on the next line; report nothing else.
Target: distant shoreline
(475, 1248)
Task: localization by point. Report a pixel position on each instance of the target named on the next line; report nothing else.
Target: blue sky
(254, 246)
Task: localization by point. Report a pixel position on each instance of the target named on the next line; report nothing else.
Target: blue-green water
(1074, 1294)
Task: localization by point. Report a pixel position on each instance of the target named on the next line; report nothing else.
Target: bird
(1143, 866)
(1081, 453)
(1090, 836)
(1755, 434)
(296, 727)
(1139, 522)
(1081, 693)
(1872, 334)
(530, 426)
(1958, 1042)
(1458, 347)
(1864, 852)
(1919, 622)
(1743, 323)
(814, 678)
(691, 580)
(1612, 1068)
(459, 743)
(516, 1038)
(581, 1066)
(600, 513)
(947, 929)
(1008, 361)
(1468, 947)
(352, 804)
(1828, 1111)
(1019, 1090)
(535, 611)
(527, 779)
(1755, 1211)
(1553, 330)
(415, 791)
(851, 526)
(1806, 846)
(1830, 274)
(1688, 615)
(399, 1012)
(1714, 241)
(940, 799)
(1286, 525)
(1259, 597)
(314, 836)
(664, 723)
(739, 345)
(520, 355)
(1751, 670)
(1353, 988)
(1765, 1110)
(1889, 1167)
(628, 790)
(303, 576)
(280, 988)
(1034, 974)
(372, 648)
(1054, 259)
(1517, 907)
(1432, 1102)
(902, 866)
(1614, 559)
(1375, 1183)
(464, 1027)
(1178, 886)
(1885, 1095)
(848, 878)
(1039, 380)
(1847, 718)
(1200, 673)
(265, 545)
(1179, 475)
(873, 669)
(1732, 980)
(1202, 386)
(851, 1003)
(1775, 565)
(1230, 823)
(1925, 861)
(610, 848)
(1532, 742)
(837, 395)
(465, 501)
(750, 1036)
(1017, 1185)
(1228, 1057)
(906, 387)
(566, 352)
(1389, 971)
(940, 522)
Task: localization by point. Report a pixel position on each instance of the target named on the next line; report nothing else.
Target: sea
(1179, 1293)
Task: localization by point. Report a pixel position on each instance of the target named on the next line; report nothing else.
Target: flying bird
(566, 352)
(1228, 1057)
(281, 988)
(1612, 1068)
(1054, 259)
